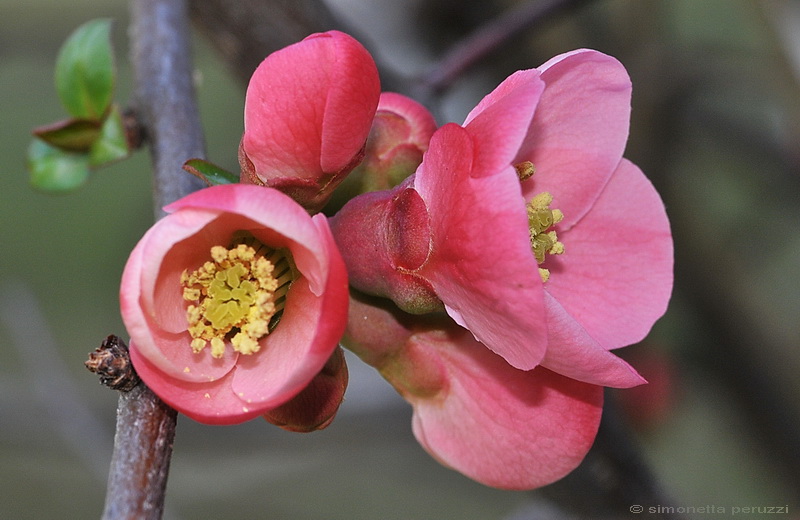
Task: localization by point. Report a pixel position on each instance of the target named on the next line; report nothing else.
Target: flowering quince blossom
(235, 303)
(530, 230)
(308, 111)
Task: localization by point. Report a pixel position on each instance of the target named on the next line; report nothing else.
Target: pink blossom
(458, 235)
(191, 360)
(308, 111)
(532, 232)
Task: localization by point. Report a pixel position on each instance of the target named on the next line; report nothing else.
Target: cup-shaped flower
(552, 268)
(473, 412)
(308, 111)
(235, 301)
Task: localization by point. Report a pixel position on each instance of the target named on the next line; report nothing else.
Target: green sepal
(56, 170)
(85, 71)
(210, 173)
(74, 135)
(112, 142)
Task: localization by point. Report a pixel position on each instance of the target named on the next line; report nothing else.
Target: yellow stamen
(541, 219)
(237, 299)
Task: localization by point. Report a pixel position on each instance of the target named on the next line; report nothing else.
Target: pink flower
(308, 111)
(235, 302)
(458, 234)
(532, 232)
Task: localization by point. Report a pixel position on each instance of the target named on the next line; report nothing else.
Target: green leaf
(112, 143)
(85, 70)
(210, 173)
(74, 135)
(55, 170)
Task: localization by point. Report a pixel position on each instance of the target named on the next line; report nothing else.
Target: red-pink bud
(384, 237)
(315, 407)
(308, 110)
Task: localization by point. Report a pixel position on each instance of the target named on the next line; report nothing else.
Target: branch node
(112, 362)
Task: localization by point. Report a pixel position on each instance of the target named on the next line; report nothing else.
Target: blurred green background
(716, 122)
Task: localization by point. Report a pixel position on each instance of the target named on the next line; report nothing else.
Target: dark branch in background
(167, 112)
(246, 31)
(485, 41)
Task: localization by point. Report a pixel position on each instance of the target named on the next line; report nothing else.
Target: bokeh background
(716, 126)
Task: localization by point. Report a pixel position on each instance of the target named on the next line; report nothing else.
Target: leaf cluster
(62, 154)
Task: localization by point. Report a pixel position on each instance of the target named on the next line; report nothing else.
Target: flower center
(541, 219)
(238, 297)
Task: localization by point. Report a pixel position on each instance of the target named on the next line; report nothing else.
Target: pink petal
(579, 133)
(309, 106)
(615, 277)
(210, 402)
(504, 427)
(308, 333)
(351, 104)
(418, 119)
(573, 353)
(500, 121)
(481, 264)
(315, 407)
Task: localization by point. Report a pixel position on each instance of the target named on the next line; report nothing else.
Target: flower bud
(315, 407)
(308, 110)
(385, 237)
(399, 137)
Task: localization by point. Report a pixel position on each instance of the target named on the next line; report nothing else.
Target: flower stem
(167, 112)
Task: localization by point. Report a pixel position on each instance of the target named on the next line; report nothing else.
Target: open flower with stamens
(235, 302)
(527, 226)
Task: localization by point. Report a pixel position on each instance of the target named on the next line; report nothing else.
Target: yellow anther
(235, 298)
(544, 240)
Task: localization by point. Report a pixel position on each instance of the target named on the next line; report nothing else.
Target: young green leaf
(85, 70)
(210, 173)
(112, 143)
(55, 170)
(74, 135)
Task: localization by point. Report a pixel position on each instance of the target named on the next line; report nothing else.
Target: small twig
(484, 41)
(143, 443)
